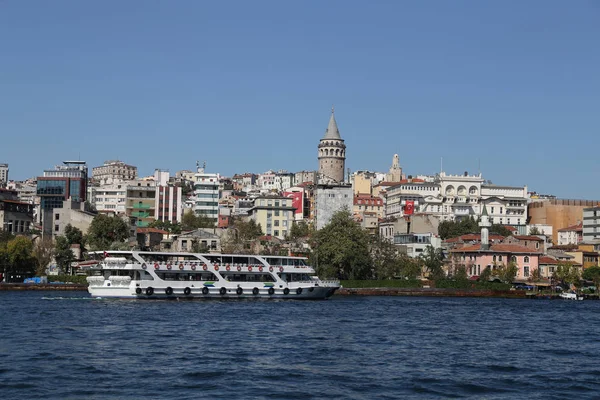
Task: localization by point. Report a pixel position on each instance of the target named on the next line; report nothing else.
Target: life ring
(299, 290)
(280, 269)
(181, 266)
(239, 291)
(250, 268)
(204, 267)
(227, 267)
(271, 291)
(260, 268)
(187, 291)
(169, 266)
(204, 290)
(223, 291)
(169, 291)
(138, 290)
(271, 269)
(144, 266)
(156, 266)
(149, 291)
(193, 267)
(286, 291)
(255, 291)
(216, 267)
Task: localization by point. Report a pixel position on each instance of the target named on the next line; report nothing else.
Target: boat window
(248, 277)
(145, 276)
(187, 276)
(294, 277)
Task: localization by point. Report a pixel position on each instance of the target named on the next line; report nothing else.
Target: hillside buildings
(274, 214)
(65, 182)
(560, 213)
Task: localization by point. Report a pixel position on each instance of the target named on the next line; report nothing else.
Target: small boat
(570, 296)
(164, 275)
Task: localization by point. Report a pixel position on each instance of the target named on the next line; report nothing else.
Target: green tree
(341, 249)
(506, 273)
(461, 274)
(191, 221)
(43, 253)
(299, 230)
(433, 260)
(63, 254)
(500, 230)
(171, 228)
(385, 258)
(566, 274)
(105, 230)
(449, 229)
(18, 257)
(74, 236)
(592, 274)
(486, 274)
(535, 275)
(534, 231)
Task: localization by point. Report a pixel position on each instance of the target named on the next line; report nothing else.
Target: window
(55, 228)
(276, 232)
(57, 217)
(276, 222)
(526, 271)
(277, 213)
(526, 259)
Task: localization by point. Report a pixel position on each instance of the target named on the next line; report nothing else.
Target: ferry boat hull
(136, 275)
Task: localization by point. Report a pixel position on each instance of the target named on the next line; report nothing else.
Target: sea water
(66, 345)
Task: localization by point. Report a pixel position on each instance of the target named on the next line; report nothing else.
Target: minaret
(332, 154)
(484, 223)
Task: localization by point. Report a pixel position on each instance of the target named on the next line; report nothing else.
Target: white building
(266, 181)
(206, 193)
(570, 235)
(283, 180)
(451, 197)
(414, 244)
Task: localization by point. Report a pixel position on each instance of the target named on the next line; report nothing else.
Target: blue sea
(65, 345)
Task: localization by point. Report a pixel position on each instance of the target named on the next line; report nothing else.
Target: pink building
(476, 259)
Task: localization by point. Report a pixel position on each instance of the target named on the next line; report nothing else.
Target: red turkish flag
(409, 208)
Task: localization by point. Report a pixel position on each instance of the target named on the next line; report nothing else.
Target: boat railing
(95, 280)
(116, 280)
(329, 282)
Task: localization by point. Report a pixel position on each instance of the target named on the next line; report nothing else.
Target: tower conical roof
(332, 131)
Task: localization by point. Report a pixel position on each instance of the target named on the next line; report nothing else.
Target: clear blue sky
(248, 85)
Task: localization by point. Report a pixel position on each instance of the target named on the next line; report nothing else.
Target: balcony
(140, 214)
(141, 206)
(142, 224)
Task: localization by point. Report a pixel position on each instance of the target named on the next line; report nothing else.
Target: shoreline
(406, 292)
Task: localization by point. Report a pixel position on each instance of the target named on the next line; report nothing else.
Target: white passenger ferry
(156, 275)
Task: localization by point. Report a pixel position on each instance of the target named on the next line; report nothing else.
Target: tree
(566, 274)
(171, 228)
(535, 275)
(500, 230)
(461, 274)
(43, 252)
(485, 275)
(18, 258)
(191, 221)
(433, 259)
(341, 248)
(506, 273)
(592, 274)
(385, 258)
(105, 230)
(449, 229)
(74, 236)
(240, 236)
(534, 231)
(63, 254)
(299, 230)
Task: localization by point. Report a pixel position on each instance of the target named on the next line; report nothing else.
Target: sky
(510, 87)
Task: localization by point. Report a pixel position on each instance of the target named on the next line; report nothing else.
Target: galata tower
(332, 154)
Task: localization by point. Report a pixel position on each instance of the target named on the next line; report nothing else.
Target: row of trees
(450, 229)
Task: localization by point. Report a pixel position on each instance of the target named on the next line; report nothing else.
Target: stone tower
(395, 174)
(332, 154)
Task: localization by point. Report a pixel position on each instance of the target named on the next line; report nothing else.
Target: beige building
(113, 171)
(560, 213)
(274, 214)
(72, 213)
